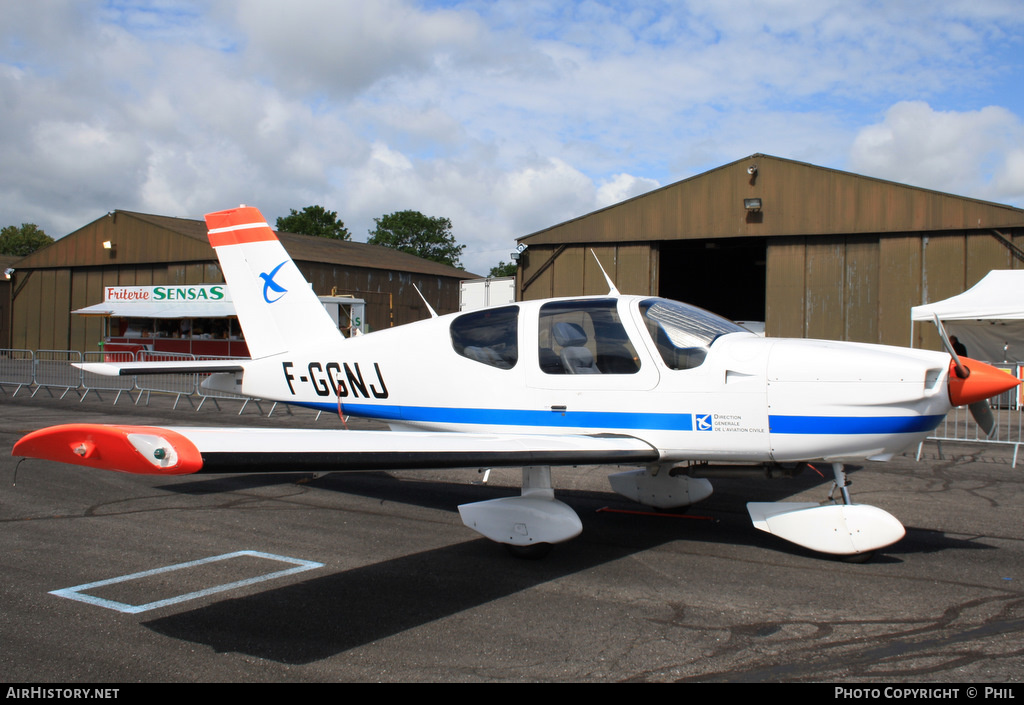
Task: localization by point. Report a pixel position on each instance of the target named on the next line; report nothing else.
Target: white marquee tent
(988, 318)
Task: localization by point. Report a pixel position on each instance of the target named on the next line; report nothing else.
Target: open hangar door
(726, 276)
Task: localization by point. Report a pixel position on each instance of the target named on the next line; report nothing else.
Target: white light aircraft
(673, 392)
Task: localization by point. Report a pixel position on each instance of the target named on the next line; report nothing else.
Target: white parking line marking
(77, 592)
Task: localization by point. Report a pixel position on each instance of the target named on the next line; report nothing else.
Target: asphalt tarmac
(373, 577)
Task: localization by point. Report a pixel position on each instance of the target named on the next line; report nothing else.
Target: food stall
(196, 319)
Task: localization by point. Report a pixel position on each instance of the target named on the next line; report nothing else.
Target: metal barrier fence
(180, 385)
(17, 368)
(54, 371)
(97, 384)
(214, 395)
(959, 427)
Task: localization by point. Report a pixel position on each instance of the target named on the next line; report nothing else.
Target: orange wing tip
(238, 226)
(143, 450)
(984, 382)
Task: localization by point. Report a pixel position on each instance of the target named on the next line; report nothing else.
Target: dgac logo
(704, 422)
(270, 285)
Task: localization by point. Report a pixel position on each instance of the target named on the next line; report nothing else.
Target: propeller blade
(981, 411)
(961, 370)
(976, 391)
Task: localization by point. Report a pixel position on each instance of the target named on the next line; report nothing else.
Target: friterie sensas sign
(152, 294)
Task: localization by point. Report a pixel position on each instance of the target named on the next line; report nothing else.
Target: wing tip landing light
(144, 450)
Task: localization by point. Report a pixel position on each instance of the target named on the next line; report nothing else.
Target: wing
(153, 450)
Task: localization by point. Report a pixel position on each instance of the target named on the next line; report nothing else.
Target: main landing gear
(527, 524)
(851, 531)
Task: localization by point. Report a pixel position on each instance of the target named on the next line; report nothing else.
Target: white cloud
(622, 187)
(505, 117)
(551, 187)
(1009, 177)
(339, 47)
(970, 153)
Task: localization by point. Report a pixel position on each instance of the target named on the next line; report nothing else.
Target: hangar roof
(796, 199)
(146, 238)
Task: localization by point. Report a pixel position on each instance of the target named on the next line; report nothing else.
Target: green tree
(314, 220)
(420, 235)
(504, 270)
(22, 241)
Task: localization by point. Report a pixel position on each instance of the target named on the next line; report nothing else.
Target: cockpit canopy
(587, 336)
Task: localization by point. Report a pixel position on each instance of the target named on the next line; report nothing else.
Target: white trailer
(478, 293)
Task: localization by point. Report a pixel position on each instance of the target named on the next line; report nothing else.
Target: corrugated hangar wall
(42, 318)
(861, 288)
(828, 255)
(573, 269)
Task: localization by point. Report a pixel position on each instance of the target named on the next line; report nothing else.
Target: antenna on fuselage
(433, 313)
(612, 291)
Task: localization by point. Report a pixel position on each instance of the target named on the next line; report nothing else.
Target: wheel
(858, 557)
(530, 552)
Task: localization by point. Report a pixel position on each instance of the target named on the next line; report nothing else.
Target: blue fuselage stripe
(622, 420)
(519, 417)
(852, 425)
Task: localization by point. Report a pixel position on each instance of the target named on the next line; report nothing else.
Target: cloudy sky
(505, 117)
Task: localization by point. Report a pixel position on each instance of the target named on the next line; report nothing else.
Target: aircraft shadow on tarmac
(324, 616)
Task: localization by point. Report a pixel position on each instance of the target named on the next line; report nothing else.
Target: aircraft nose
(983, 382)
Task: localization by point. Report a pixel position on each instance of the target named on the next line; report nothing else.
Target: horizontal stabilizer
(162, 367)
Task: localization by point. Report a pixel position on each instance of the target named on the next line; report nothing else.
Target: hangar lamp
(752, 204)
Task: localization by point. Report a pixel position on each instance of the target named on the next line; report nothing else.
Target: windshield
(683, 333)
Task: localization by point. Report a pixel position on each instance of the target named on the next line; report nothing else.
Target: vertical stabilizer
(276, 306)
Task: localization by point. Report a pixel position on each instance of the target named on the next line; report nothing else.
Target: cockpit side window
(683, 333)
(584, 337)
(490, 336)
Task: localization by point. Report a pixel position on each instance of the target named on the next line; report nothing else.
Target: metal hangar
(124, 248)
(811, 251)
